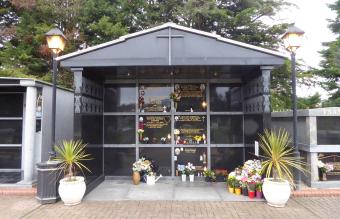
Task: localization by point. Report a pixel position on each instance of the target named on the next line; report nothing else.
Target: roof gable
(186, 47)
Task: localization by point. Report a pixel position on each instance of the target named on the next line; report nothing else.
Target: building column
(312, 144)
(266, 108)
(29, 130)
(314, 171)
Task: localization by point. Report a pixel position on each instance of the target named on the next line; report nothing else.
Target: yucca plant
(71, 154)
(278, 156)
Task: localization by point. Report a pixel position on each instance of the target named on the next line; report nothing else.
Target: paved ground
(165, 190)
(306, 208)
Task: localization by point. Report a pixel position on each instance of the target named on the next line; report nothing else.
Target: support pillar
(314, 171)
(29, 134)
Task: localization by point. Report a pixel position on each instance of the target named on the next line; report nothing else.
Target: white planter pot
(150, 180)
(276, 193)
(191, 177)
(184, 177)
(72, 192)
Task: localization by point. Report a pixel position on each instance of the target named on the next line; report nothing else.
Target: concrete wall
(64, 118)
(307, 139)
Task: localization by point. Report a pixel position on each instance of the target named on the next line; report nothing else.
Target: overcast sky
(311, 16)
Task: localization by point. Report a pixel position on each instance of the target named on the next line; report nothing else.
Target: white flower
(320, 164)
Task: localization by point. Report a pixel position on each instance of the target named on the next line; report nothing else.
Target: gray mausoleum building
(25, 126)
(172, 94)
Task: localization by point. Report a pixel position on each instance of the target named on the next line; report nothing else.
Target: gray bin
(48, 181)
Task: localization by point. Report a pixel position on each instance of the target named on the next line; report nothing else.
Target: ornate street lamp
(56, 41)
(292, 40)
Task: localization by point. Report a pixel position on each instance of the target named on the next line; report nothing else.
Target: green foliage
(278, 159)
(331, 63)
(71, 154)
(310, 102)
(89, 22)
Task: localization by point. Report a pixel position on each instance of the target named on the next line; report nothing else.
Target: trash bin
(48, 181)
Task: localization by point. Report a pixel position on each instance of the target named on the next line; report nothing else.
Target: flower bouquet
(251, 188)
(237, 186)
(323, 169)
(181, 169)
(244, 186)
(139, 168)
(258, 188)
(231, 182)
(190, 170)
(209, 175)
(140, 134)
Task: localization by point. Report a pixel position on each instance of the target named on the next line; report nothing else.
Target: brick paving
(305, 207)
(18, 191)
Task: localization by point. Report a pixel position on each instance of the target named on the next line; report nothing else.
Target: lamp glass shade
(56, 43)
(292, 41)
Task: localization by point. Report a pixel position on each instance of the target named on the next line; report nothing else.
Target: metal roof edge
(35, 82)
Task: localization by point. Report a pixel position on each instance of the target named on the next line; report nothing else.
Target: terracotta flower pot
(136, 178)
(238, 191)
(251, 194)
(231, 189)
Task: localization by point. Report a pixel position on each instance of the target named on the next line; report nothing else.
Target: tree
(90, 22)
(8, 20)
(330, 66)
(310, 102)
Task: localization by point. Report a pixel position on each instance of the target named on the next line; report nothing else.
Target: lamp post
(56, 41)
(292, 39)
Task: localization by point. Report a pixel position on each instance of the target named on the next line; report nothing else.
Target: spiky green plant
(71, 154)
(279, 159)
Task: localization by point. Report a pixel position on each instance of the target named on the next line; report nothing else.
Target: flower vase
(251, 194)
(136, 178)
(231, 189)
(238, 191)
(191, 177)
(184, 177)
(322, 176)
(245, 191)
(140, 137)
(259, 194)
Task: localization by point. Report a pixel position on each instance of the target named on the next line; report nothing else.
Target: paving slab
(164, 189)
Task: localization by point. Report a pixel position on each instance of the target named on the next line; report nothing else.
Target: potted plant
(278, 162)
(244, 186)
(71, 155)
(137, 167)
(231, 182)
(251, 188)
(323, 169)
(258, 188)
(190, 170)
(181, 169)
(209, 175)
(237, 186)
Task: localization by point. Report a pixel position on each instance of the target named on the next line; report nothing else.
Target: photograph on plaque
(190, 98)
(154, 98)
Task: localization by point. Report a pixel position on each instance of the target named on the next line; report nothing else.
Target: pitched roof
(176, 27)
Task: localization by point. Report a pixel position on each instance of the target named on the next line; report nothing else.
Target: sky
(310, 16)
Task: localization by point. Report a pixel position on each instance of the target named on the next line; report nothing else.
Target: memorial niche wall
(142, 121)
